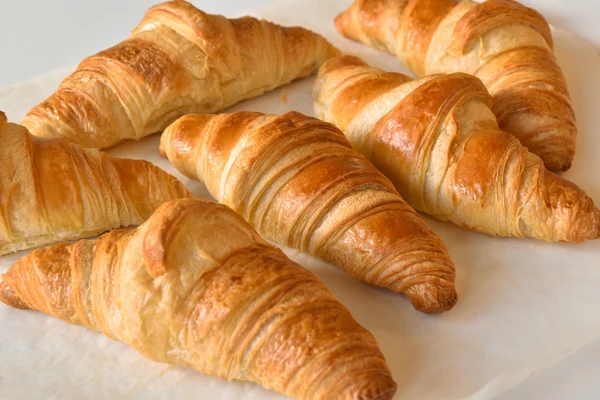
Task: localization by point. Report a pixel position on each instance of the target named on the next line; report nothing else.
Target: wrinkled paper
(524, 305)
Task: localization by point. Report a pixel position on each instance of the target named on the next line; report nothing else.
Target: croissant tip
(379, 385)
(340, 21)
(9, 297)
(344, 60)
(432, 299)
(388, 393)
(558, 166)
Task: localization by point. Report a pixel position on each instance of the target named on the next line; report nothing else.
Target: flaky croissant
(437, 139)
(53, 190)
(178, 60)
(298, 181)
(505, 44)
(196, 286)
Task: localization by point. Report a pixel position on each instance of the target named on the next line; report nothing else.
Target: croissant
(54, 190)
(437, 139)
(298, 181)
(505, 44)
(178, 60)
(195, 285)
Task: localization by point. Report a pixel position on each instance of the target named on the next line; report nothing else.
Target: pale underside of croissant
(53, 190)
(437, 139)
(196, 286)
(507, 45)
(298, 181)
(178, 60)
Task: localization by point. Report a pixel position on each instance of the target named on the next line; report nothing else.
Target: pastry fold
(438, 141)
(196, 286)
(53, 190)
(178, 60)
(298, 181)
(505, 44)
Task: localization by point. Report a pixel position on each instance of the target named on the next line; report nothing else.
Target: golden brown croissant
(507, 45)
(53, 190)
(178, 60)
(298, 181)
(195, 285)
(438, 141)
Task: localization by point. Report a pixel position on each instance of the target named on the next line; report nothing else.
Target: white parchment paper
(524, 305)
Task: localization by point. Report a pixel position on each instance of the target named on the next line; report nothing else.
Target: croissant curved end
(340, 62)
(3, 120)
(598, 228)
(432, 299)
(158, 228)
(179, 141)
(341, 21)
(379, 390)
(9, 297)
(595, 233)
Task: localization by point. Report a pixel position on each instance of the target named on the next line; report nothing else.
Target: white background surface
(39, 36)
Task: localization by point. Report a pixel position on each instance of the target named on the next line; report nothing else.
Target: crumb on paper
(165, 370)
(283, 96)
(568, 352)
